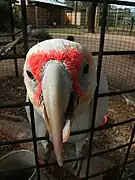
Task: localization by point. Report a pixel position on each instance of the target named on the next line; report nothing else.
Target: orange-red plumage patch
(70, 56)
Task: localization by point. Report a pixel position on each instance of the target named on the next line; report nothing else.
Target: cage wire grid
(102, 52)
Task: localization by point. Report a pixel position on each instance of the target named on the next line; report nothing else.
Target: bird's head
(59, 74)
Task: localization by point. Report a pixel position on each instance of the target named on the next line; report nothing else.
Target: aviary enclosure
(112, 154)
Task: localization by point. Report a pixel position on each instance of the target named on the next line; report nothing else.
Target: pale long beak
(56, 87)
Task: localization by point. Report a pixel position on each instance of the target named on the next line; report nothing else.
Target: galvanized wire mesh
(112, 44)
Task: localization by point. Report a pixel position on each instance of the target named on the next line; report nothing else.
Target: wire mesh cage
(107, 29)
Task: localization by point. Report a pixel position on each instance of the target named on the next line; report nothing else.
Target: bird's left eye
(86, 69)
(30, 75)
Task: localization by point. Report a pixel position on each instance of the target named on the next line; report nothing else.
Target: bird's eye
(30, 75)
(86, 69)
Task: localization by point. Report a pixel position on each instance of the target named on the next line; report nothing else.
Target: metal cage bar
(99, 65)
(13, 36)
(34, 140)
(24, 21)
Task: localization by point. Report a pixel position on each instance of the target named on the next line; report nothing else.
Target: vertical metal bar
(127, 153)
(76, 2)
(34, 140)
(101, 47)
(24, 22)
(13, 37)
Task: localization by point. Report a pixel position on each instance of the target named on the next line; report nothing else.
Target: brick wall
(78, 18)
(30, 14)
(31, 17)
(55, 13)
(39, 17)
(63, 16)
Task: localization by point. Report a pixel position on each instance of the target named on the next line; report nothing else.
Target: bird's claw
(74, 165)
(77, 167)
(48, 151)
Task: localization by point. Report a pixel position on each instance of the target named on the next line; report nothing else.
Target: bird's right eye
(30, 75)
(86, 69)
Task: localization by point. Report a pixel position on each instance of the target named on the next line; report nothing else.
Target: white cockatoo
(60, 79)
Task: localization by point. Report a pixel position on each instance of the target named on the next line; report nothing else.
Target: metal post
(13, 36)
(24, 22)
(76, 11)
(34, 140)
(101, 47)
(116, 18)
